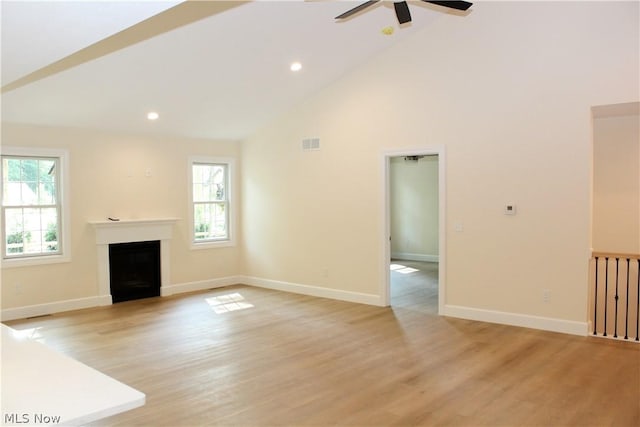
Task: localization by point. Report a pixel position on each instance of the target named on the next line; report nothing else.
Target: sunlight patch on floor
(226, 303)
(399, 268)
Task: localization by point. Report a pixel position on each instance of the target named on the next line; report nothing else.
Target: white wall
(507, 90)
(414, 208)
(616, 184)
(108, 179)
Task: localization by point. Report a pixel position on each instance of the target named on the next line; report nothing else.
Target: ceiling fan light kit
(402, 8)
(387, 31)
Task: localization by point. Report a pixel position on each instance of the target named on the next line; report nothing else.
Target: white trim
(296, 288)
(406, 256)
(517, 319)
(315, 291)
(133, 230)
(619, 338)
(53, 307)
(200, 285)
(104, 300)
(35, 260)
(137, 230)
(513, 319)
(439, 150)
(232, 178)
(65, 206)
(385, 261)
(210, 244)
(609, 336)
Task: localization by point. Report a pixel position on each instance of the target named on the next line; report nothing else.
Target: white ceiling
(37, 33)
(221, 77)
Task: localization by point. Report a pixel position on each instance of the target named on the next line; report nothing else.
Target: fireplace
(134, 270)
(133, 233)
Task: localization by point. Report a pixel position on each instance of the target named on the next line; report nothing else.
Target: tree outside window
(210, 183)
(31, 206)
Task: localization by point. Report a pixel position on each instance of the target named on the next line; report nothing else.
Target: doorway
(414, 229)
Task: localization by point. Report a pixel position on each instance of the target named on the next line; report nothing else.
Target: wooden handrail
(614, 255)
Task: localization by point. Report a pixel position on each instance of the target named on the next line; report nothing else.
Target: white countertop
(38, 382)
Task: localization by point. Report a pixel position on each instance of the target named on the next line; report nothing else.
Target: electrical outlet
(18, 288)
(546, 296)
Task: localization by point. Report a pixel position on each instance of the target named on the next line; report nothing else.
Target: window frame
(231, 213)
(63, 206)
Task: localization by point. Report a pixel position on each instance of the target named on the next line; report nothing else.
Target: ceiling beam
(182, 14)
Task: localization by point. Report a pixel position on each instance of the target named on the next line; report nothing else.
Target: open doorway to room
(614, 284)
(414, 209)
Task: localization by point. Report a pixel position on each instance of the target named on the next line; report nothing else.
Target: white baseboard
(414, 257)
(77, 304)
(515, 319)
(505, 318)
(200, 285)
(61, 306)
(53, 307)
(315, 291)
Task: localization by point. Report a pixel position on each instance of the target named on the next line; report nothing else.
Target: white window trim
(231, 180)
(65, 206)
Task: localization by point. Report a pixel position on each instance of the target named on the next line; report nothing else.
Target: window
(33, 217)
(211, 220)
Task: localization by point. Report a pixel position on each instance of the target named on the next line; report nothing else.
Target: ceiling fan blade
(402, 12)
(458, 5)
(357, 9)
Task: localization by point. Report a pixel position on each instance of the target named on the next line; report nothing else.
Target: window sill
(35, 260)
(212, 245)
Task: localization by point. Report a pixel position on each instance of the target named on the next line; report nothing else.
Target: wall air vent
(310, 144)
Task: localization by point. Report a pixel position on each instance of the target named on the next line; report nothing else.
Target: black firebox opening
(135, 270)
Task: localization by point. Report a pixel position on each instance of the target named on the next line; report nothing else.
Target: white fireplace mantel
(126, 231)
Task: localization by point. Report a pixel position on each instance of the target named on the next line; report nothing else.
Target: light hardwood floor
(296, 360)
(416, 290)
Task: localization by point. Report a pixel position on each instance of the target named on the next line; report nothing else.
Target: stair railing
(615, 296)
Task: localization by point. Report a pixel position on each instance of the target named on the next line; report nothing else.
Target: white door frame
(385, 291)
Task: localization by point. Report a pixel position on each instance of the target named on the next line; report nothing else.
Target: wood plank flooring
(294, 360)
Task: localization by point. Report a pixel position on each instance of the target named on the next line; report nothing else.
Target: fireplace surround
(131, 231)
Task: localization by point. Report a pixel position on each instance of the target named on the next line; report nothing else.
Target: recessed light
(152, 115)
(296, 66)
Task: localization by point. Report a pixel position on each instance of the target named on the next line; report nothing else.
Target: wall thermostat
(510, 209)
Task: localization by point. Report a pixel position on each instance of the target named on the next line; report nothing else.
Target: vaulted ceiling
(216, 70)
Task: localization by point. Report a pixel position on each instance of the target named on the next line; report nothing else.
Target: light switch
(458, 227)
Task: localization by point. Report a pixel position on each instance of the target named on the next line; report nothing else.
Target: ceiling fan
(402, 8)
